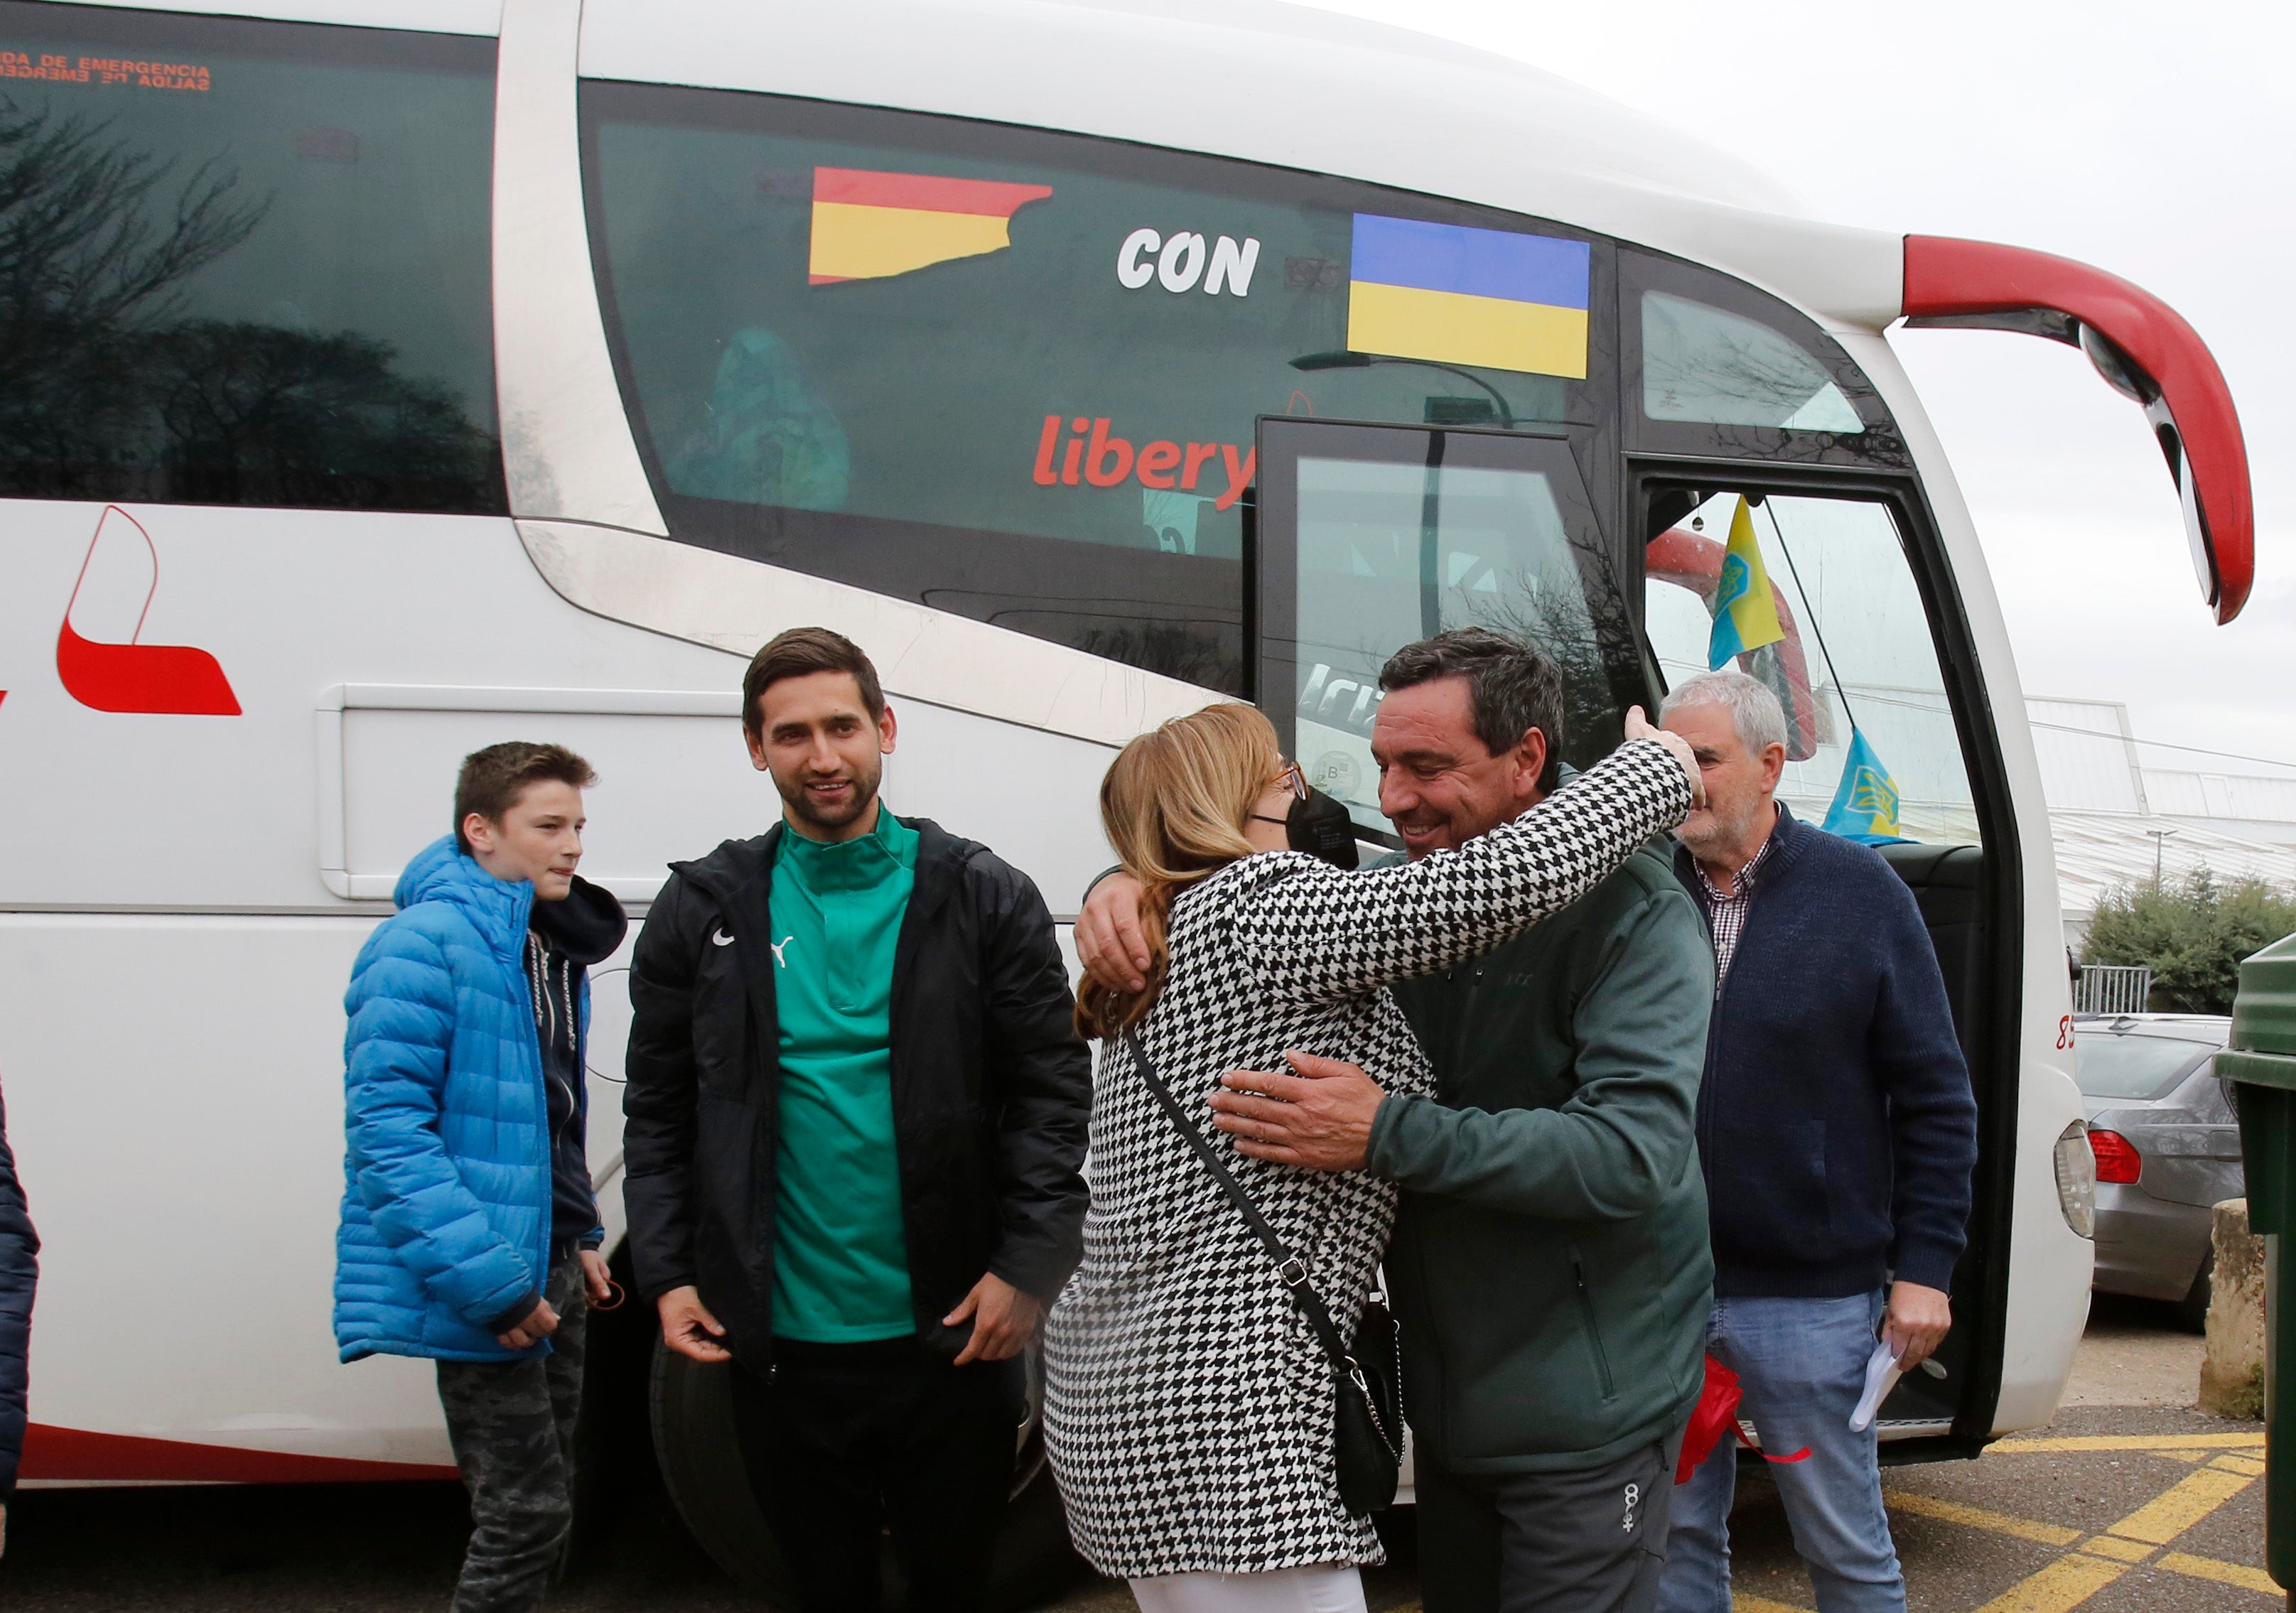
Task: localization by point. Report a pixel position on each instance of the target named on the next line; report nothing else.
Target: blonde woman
(1189, 1409)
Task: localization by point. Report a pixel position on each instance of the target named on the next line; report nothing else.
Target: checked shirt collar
(1726, 910)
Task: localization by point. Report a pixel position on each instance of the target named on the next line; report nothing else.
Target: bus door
(1370, 536)
(1813, 583)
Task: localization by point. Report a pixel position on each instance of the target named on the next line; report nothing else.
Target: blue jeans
(1802, 1365)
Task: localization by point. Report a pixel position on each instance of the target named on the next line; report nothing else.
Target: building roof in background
(2105, 806)
(2099, 851)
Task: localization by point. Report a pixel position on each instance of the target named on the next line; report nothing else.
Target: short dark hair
(800, 653)
(1511, 688)
(492, 778)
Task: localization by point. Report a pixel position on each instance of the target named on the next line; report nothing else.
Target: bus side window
(1701, 362)
(245, 263)
(1829, 617)
(1713, 367)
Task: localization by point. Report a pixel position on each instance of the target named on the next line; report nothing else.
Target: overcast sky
(2159, 143)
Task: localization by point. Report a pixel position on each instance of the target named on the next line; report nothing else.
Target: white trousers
(1322, 1588)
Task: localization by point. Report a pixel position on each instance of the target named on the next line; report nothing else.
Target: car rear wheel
(693, 1408)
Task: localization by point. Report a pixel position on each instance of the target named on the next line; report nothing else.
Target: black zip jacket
(992, 1087)
(20, 1270)
(565, 940)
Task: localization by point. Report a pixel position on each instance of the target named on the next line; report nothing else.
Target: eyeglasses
(1290, 776)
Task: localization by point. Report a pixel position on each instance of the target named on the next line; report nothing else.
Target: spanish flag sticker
(868, 226)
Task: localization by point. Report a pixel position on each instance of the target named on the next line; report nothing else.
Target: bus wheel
(693, 1406)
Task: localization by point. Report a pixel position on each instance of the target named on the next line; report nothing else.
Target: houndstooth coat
(1188, 1410)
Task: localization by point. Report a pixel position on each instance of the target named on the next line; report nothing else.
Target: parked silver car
(2168, 1147)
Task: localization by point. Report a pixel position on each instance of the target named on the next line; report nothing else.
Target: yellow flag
(1745, 613)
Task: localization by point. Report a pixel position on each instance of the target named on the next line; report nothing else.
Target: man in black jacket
(20, 1270)
(855, 1128)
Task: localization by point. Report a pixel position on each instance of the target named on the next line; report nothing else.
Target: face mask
(1321, 827)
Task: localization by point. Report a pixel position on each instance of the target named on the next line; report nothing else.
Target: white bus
(385, 378)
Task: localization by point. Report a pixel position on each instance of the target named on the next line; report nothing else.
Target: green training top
(841, 1258)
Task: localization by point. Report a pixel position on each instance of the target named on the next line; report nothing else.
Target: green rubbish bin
(2260, 1061)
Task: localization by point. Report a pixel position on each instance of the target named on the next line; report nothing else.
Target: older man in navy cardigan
(1838, 1132)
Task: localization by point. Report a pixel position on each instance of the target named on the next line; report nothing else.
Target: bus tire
(701, 1466)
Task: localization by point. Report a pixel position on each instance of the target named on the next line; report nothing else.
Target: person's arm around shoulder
(402, 1009)
(19, 1271)
(1040, 1077)
(1326, 933)
(1612, 1150)
(1620, 1142)
(1917, 1052)
(658, 1122)
(1110, 942)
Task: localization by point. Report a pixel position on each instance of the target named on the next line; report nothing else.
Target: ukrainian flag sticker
(1450, 294)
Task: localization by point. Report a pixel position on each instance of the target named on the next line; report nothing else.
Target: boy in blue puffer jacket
(469, 1234)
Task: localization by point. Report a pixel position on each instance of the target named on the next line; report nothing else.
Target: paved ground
(2129, 1502)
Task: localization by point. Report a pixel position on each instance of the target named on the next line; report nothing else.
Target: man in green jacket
(1550, 1267)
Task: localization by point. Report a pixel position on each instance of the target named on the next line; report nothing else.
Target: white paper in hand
(1881, 1376)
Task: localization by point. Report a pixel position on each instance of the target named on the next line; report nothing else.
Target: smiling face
(1439, 783)
(825, 752)
(539, 838)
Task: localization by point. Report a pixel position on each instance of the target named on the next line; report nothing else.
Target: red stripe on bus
(77, 1454)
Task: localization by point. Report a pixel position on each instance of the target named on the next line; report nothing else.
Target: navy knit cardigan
(1836, 1122)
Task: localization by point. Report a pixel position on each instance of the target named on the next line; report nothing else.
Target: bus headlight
(2077, 1180)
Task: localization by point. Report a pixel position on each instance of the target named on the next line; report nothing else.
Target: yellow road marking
(1978, 1517)
(2223, 1572)
(2171, 1442)
(2181, 1505)
(2120, 1551)
(2194, 1456)
(2064, 1584)
(2240, 1464)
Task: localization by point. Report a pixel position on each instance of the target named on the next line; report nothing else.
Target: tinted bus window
(1701, 363)
(244, 263)
(1016, 375)
(1716, 367)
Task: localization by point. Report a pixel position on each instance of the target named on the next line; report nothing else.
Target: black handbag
(1367, 1433)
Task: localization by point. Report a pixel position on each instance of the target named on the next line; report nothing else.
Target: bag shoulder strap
(1289, 1266)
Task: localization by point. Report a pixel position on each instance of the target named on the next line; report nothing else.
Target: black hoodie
(562, 940)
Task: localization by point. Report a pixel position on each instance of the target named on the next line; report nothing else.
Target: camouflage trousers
(511, 1423)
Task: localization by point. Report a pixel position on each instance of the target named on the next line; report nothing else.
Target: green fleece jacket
(1550, 1267)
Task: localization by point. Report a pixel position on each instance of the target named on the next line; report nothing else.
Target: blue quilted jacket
(446, 1193)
